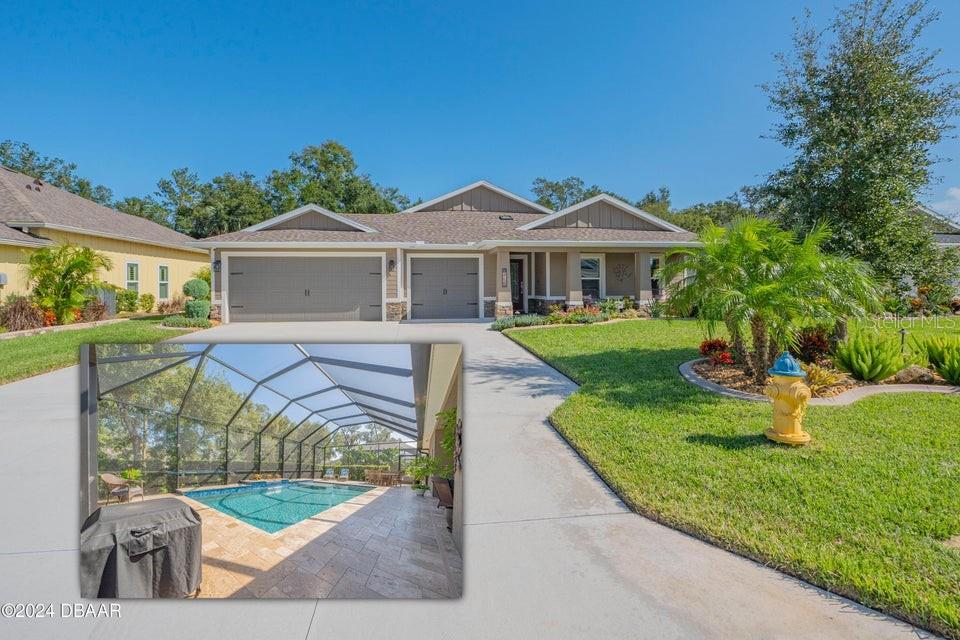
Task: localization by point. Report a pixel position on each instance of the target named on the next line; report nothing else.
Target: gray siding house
(477, 252)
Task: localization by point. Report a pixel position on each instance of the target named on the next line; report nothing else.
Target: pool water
(273, 506)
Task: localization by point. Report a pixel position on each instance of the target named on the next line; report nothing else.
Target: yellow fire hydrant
(790, 395)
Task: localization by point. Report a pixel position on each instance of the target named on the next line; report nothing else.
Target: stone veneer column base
(396, 311)
(503, 309)
(215, 311)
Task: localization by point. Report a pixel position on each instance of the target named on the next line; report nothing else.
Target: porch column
(643, 276)
(504, 304)
(574, 288)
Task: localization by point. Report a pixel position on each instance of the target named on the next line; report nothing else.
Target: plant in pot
(422, 468)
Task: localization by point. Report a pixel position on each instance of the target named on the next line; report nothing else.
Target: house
(477, 252)
(147, 257)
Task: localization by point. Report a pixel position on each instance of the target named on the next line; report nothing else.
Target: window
(133, 276)
(163, 277)
(591, 268)
(655, 276)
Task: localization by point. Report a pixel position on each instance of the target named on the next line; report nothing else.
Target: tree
(760, 281)
(862, 113)
(19, 156)
(146, 207)
(179, 195)
(560, 194)
(61, 275)
(326, 175)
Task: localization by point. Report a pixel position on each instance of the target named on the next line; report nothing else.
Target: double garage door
(280, 289)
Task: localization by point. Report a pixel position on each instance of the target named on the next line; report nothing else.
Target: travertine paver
(387, 543)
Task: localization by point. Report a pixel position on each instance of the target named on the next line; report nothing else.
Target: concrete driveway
(549, 551)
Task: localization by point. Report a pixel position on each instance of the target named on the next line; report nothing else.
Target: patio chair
(328, 474)
(120, 488)
(443, 494)
(344, 473)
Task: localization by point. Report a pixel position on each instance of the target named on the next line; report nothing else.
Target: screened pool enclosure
(201, 414)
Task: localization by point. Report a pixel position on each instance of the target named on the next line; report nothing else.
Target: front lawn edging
(845, 398)
(59, 327)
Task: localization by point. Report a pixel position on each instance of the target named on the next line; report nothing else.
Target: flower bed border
(841, 399)
(59, 327)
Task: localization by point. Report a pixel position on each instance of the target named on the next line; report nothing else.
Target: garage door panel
(444, 288)
(290, 289)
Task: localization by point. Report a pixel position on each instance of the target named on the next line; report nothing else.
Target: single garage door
(280, 289)
(444, 288)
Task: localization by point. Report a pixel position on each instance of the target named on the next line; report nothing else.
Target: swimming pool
(273, 506)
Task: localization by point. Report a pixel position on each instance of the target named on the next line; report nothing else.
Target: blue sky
(429, 96)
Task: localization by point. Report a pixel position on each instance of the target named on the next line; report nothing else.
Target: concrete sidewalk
(549, 551)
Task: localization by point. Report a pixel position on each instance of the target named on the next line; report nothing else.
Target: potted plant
(422, 468)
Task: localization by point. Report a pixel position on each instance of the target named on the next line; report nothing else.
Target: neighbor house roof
(26, 202)
(9, 235)
(447, 228)
(948, 239)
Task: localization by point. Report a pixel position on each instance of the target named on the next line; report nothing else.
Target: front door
(517, 285)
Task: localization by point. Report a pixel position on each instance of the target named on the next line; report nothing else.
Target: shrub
(720, 357)
(19, 313)
(955, 305)
(197, 308)
(935, 349)
(94, 310)
(868, 356)
(818, 378)
(147, 300)
(173, 305)
(196, 289)
(949, 366)
(509, 322)
(611, 305)
(708, 347)
(203, 273)
(185, 322)
(60, 277)
(657, 309)
(49, 318)
(811, 344)
(126, 300)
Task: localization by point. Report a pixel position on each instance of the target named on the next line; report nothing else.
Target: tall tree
(179, 195)
(560, 194)
(19, 156)
(862, 104)
(146, 207)
(326, 175)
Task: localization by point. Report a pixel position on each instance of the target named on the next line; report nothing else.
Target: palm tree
(757, 278)
(60, 277)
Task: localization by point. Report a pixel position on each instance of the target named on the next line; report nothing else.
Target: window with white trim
(133, 276)
(163, 279)
(590, 270)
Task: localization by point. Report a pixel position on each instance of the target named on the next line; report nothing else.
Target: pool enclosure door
(281, 289)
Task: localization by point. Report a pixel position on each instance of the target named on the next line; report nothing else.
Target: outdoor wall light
(216, 266)
(503, 277)
(391, 265)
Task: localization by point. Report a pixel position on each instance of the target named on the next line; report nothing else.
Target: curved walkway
(841, 399)
(549, 550)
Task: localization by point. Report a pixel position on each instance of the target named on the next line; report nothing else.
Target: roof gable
(311, 216)
(602, 212)
(480, 196)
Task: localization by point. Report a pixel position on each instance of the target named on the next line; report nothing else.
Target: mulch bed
(734, 377)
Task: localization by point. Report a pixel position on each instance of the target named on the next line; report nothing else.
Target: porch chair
(328, 474)
(120, 488)
(344, 473)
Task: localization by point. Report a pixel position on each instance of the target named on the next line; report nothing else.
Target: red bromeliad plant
(709, 347)
(721, 358)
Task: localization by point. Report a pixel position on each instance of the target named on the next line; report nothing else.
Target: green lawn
(25, 357)
(863, 511)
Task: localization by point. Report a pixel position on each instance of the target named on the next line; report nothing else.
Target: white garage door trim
(225, 270)
(409, 290)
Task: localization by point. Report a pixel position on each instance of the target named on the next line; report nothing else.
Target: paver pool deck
(549, 550)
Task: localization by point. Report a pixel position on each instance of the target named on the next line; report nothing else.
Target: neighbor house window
(163, 277)
(590, 270)
(655, 276)
(133, 276)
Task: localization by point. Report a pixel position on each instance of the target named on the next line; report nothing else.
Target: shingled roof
(31, 203)
(446, 228)
(12, 236)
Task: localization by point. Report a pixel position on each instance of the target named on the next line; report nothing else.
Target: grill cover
(148, 549)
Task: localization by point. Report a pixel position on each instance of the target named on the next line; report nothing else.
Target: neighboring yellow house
(147, 257)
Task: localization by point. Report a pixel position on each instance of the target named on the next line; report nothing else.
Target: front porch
(531, 281)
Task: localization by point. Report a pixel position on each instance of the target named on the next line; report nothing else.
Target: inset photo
(271, 471)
